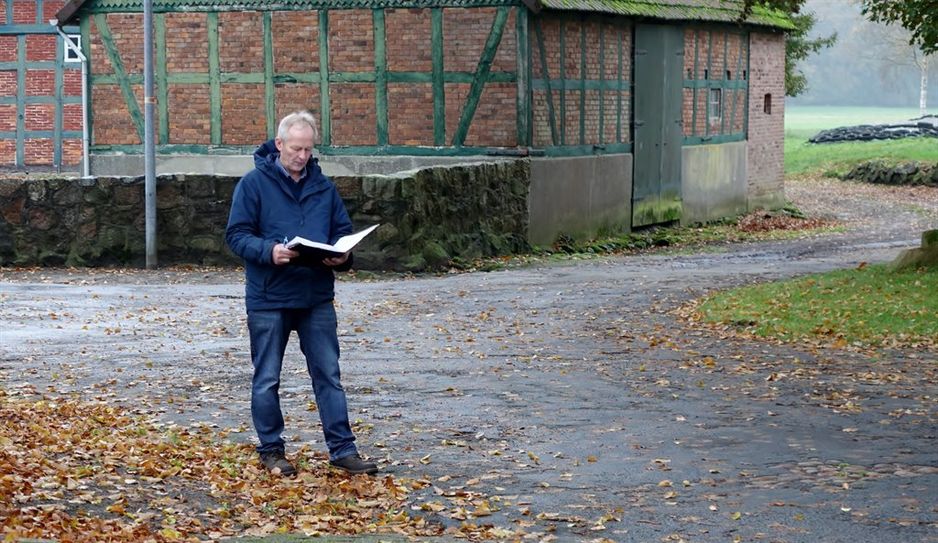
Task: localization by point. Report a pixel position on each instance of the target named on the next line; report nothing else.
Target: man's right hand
(281, 255)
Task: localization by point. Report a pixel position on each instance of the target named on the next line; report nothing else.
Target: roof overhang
(726, 11)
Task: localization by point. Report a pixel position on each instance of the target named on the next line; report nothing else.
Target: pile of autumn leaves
(78, 471)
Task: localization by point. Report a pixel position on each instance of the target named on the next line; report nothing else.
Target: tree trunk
(923, 91)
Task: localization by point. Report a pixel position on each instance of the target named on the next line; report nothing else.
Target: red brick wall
(190, 117)
(296, 50)
(296, 42)
(7, 152)
(39, 82)
(412, 105)
(24, 11)
(186, 43)
(38, 151)
(7, 117)
(731, 67)
(409, 34)
(600, 36)
(766, 131)
(354, 119)
(244, 121)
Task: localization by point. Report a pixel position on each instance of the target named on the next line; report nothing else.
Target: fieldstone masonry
(430, 217)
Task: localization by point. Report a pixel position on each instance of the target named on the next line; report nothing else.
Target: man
(287, 195)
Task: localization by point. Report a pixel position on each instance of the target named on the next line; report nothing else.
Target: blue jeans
(316, 328)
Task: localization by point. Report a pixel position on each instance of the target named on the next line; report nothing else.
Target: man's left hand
(336, 260)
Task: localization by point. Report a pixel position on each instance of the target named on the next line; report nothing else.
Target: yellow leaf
(736, 516)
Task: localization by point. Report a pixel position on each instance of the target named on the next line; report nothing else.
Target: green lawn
(803, 122)
(868, 306)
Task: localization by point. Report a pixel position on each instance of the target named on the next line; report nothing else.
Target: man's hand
(336, 260)
(281, 255)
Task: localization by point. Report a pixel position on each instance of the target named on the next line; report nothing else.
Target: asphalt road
(569, 394)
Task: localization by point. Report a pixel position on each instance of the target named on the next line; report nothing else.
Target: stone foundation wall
(429, 218)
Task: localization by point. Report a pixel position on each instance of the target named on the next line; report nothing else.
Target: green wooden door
(657, 132)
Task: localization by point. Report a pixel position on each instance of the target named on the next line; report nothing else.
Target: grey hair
(295, 118)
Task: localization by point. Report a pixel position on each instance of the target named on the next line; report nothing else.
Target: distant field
(807, 121)
(803, 122)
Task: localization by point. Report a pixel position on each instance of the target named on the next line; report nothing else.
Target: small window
(729, 75)
(715, 105)
(744, 75)
(767, 104)
(70, 55)
(706, 73)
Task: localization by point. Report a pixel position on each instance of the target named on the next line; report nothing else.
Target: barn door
(657, 136)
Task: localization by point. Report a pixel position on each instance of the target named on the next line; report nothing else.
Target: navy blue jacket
(265, 211)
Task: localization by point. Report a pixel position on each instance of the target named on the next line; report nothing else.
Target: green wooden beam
(714, 84)
(693, 128)
(29, 65)
(602, 75)
(162, 88)
(188, 78)
(724, 79)
(325, 114)
(20, 159)
(295, 77)
(563, 76)
(364, 150)
(714, 139)
(523, 114)
(13, 100)
(352, 77)
(439, 89)
(619, 71)
(16, 29)
(482, 71)
(38, 12)
(100, 20)
(11, 134)
(59, 83)
(739, 63)
(237, 77)
(575, 84)
(214, 78)
(177, 148)
(270, 109)
(582, 139)
(197, 78)
(587, 150)
(748, 75)
(551, 116)
(381, 77)
(85, 25)
(709, 75)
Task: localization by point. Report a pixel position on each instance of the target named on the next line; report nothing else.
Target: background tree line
(861, 52)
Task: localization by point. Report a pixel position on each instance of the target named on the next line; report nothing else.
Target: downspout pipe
(85, 161)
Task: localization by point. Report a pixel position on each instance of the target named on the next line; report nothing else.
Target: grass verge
(787, 223)
(836, 159)
(870, 306)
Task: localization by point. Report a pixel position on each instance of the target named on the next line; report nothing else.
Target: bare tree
(896, 52)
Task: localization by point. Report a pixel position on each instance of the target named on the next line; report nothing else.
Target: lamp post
(148, 148)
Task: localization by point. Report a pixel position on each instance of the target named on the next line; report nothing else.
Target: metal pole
(149, 159)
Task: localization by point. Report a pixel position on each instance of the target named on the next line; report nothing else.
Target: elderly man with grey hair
(287, 195)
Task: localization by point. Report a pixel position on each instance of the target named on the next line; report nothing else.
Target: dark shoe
(277, 463)
(354, 464)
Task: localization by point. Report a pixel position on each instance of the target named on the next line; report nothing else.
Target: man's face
(296, 148)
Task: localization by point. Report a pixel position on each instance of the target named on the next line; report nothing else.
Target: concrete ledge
(238, 165)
